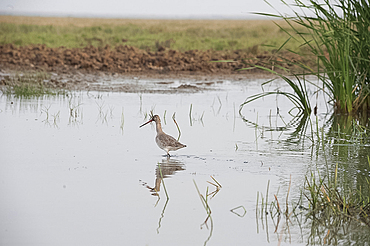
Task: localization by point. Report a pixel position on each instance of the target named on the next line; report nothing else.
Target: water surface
(78, 170)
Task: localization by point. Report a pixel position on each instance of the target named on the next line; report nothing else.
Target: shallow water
(78, 170)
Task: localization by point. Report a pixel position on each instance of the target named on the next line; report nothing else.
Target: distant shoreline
(246, 16)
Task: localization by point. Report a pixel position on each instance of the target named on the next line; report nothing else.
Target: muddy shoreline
(80, 80)
(85, 68)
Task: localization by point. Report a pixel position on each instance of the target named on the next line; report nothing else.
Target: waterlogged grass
(330, 202)
(144, 34)
(332, 212)
(29, 85)
(205, 202)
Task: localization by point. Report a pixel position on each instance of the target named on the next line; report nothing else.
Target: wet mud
(128, 60)
(94, 68)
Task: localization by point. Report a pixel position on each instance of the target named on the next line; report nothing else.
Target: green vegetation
(341, 41)
(331, 212)
(338, 36)
(335, 197)
(299, 97)
(205, 202)
(175, 34)
(29, 85)
(327, 199)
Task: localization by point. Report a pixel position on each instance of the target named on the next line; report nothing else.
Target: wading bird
(164, 141)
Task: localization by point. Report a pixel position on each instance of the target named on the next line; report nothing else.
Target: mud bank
(131, 60)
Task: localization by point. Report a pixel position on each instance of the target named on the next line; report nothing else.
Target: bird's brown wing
(164, 140)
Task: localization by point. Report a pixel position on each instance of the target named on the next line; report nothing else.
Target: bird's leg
(168, 155)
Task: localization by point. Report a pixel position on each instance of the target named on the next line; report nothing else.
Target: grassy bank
(255, 35)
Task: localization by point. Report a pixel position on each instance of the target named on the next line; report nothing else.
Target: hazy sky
(142, 8)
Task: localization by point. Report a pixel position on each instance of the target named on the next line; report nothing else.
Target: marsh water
(78, 170)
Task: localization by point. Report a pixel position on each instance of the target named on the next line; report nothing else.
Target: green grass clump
(28, 85)
(338, 35)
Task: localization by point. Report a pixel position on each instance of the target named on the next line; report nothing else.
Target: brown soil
(130, 60)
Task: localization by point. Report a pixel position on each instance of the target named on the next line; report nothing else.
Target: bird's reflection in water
(167, 167)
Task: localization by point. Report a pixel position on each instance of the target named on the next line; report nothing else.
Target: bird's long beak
(146, 123)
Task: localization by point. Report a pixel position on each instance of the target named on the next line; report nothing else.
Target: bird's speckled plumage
(164, 141)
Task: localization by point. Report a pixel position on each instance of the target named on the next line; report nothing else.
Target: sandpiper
(164, 141)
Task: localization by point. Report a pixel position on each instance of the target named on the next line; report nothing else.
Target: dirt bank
(130, 60)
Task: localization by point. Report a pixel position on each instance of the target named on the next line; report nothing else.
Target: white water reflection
(73, 168)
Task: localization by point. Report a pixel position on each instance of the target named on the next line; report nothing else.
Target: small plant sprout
(73, 108)
(45, 109)
(220, 105)
(219, 100)
(178, 128)
(205, 199)
(122, 121)
(111, 108)
(217, 185)
(149, 115)
(201, 118)
(205, 203)
(141, 102)
(100, 108)
(56, 118)
(236, 209)
(75, 112)
(190, 117)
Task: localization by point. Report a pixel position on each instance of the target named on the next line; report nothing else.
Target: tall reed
(338, 34)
